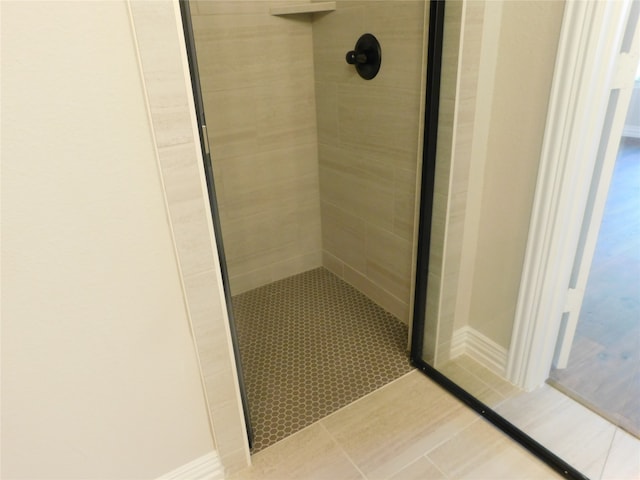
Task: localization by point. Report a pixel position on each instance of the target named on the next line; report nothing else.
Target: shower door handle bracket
(205, 138)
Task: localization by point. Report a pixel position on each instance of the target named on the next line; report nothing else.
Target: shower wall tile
(229, 7)
(236, 51)
(276, 271)
(327, 112)
(385, 299)
(184, 197)
(388, 260)
(368, 134)
(404, 200)
(259, 94)
(344, 236)
(162, 57)
(379, 118)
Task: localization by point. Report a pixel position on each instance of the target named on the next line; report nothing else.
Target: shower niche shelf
(296, 8)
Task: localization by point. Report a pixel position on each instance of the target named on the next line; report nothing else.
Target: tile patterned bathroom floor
(409, 429)
(311, 344)
(412, 429)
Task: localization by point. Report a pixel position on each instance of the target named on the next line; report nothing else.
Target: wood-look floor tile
(471, 383)
(497, 383)
(623, 462)
(573, 432)
(397, 424)
(421, 469)
(309, 454)
(482, 451)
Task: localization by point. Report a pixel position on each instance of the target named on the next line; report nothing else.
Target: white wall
(99, 372)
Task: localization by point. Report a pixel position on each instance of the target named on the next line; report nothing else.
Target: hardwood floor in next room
(604, 366)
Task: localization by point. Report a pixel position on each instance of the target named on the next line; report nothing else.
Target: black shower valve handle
(354, 58)
(366, 56)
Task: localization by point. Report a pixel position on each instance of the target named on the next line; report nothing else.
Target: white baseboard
(207, 467)
(470, 342)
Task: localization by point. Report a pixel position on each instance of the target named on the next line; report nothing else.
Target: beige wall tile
(228, 434)
(369, 200)
(229, 7)
(262, 131)
(275, 271)
(247, 173)
(332, 264)
(399, 27)
(272, 49)
(334, 34)
(343, 235)
(327, 111)
(392, 304)
(368, 135)
(183, 188)
(205, 305)
(389, 261)
(378, 117)
(250, 280)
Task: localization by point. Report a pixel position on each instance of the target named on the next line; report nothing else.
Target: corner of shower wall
(257, 78)
(368, 147)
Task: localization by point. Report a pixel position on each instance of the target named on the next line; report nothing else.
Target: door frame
(589, 66)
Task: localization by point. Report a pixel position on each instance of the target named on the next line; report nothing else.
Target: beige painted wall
(257, 80)
(498, 62)
(99, 373)
(526, 58)
(368, 144)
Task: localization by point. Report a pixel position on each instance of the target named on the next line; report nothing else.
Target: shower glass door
(497, 63)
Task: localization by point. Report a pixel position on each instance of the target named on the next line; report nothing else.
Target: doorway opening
(603, 369)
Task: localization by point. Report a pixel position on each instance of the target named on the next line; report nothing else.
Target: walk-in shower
(329, 199)
(315, 166)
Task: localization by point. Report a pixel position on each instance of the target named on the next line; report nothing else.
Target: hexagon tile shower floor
(311, 344)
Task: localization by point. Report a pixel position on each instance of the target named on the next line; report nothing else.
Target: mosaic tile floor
(311, 344)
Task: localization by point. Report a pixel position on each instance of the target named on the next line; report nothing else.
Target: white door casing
(591, 83)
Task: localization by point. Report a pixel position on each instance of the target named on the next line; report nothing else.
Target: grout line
(606, 457)
(502, 397)
(426, 456)
(341, 448)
